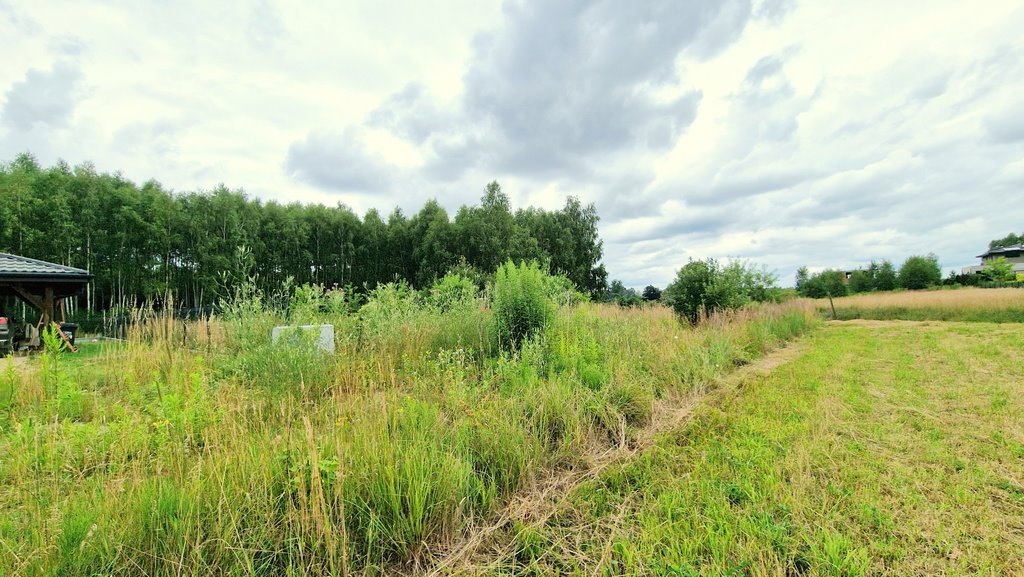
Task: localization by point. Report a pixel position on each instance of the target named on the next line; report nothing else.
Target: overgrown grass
(885, 449)
(201, 449)
(998, 305)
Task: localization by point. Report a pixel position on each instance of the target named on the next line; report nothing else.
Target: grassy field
(998, 305)
(875, 448)
(202, 449)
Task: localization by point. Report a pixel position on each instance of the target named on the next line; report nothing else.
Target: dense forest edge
(145, 242)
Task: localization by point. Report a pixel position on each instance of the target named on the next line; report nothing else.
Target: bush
(861, 281)
(919, 272)
(885, 278)
(651, 293)
(703, 287)
(999, 270)
(961, 280)
(562, 291)
(820, 285)
(693, 291)
(521, 305)
(454, 291)
(389, 303)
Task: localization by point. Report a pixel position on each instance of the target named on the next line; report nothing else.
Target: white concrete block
(325, 338)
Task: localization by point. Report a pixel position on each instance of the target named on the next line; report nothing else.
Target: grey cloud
(758, 101)
(627, 196)
(721, 25)
(563, 88)
(752, 160)
(745, 184)
(157, 139)
(931, 88)
(754, 155)
(694, 223)
(337, 162)
(17, 19)
(857, 195)
(453, 156)
(773, 10)
(914, 195)
(765, 68)
(42, 98)
(67, 45)
(1005, 127)
(563, 83)
(408, 113)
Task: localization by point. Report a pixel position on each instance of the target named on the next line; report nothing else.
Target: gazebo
(39, 283)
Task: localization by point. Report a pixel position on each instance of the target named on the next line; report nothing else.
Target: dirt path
(485, 546)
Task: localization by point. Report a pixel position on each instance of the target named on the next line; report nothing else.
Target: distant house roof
(1002, 250)
(14, 268)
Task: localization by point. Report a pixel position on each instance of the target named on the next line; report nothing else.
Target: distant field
(882, 449)
(967, 304)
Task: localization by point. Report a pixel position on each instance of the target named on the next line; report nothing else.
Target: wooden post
(47, 306)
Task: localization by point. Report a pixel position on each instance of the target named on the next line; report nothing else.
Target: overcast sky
(788, 133)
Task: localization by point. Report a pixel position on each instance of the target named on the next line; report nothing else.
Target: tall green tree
(885, 278)
(919, 272)
(432, 235)
(1008, 240)
(146, 242)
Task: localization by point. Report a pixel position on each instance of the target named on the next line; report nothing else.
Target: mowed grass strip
(999, 305)
(885, 449)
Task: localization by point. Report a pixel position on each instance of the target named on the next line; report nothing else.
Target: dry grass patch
(965, 304)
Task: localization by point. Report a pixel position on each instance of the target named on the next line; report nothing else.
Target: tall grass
(200, 448)
(965, 304)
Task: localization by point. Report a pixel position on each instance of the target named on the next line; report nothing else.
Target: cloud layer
(818, 134)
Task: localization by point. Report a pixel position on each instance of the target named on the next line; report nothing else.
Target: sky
(785, 133)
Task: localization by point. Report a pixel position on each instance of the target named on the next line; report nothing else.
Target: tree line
(143, 241)
(916, 272)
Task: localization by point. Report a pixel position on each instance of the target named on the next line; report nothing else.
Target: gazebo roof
(24, 277)
(14, 268)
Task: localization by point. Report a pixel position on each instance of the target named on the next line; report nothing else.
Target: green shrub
(562, 291)
(828, 282)
(919, 272)
(313, 303)
(521, 305)
(703, 287)
(454, 291)
(388, 304)
(999, 270)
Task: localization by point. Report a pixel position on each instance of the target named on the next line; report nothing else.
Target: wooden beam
(28, 297)
(64, 337)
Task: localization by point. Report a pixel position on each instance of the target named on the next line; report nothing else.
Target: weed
(205, 449)
(521, 305)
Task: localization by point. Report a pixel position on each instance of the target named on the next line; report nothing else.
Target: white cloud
(819, 133)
